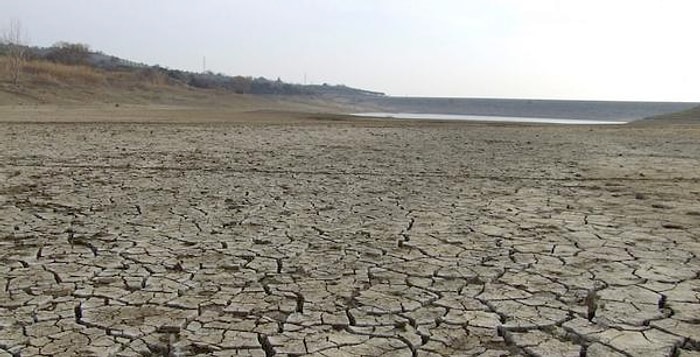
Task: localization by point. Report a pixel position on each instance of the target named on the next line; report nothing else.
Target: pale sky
(559, 49)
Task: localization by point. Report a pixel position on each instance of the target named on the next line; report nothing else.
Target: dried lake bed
(350, 238)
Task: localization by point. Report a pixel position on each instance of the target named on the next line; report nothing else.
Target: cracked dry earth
(349, 239)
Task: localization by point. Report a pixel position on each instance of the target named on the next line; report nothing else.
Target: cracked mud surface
(338, 239)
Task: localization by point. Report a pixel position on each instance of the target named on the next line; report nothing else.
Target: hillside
(71, 73)
(690, 116)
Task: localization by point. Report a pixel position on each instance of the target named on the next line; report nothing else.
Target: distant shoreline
(608, 111)
(487, 118)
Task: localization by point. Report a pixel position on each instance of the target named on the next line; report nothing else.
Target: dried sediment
(261, 240)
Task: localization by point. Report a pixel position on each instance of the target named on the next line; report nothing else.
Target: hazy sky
(569, 49)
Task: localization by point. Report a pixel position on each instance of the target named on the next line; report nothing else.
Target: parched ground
(330, 238)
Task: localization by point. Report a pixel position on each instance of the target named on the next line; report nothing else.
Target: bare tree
(13, 39)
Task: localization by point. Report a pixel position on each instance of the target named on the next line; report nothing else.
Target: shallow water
(567, 109)
(485, 118)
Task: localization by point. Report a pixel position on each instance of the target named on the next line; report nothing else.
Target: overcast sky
(573, 49)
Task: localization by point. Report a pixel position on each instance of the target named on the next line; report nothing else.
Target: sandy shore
(328, 237)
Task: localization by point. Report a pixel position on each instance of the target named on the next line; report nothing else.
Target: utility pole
(204, 64)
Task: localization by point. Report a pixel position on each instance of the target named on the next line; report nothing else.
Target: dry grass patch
(49, 72)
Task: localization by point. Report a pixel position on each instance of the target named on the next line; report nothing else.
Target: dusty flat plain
(348, 238)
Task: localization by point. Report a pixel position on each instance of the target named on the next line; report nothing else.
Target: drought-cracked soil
(331, 238)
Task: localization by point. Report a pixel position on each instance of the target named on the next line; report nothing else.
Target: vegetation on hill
(73, 64)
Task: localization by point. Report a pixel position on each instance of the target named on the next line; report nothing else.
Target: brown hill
(55, 92)
(44, 82)
(690, 116)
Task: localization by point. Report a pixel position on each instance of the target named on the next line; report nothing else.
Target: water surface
(560, 109)
(486, 118)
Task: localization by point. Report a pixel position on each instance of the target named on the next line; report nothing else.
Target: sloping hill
(690, 116)
(72, 74)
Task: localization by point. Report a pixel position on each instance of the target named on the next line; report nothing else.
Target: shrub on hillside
(240, 84)
(155, 76)
(69, 53)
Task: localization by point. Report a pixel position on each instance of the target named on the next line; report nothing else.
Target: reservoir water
(487, 118)
(513, 110)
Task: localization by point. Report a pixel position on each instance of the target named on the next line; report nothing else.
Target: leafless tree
(13, 39)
